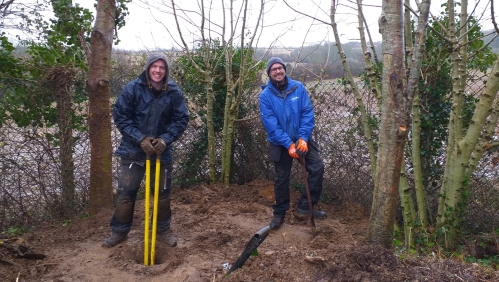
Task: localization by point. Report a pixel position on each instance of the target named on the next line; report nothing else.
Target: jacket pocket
(274, 152)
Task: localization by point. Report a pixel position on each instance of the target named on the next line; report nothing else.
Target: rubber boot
(164, 215)
(114, 239)
(167, 238)
(276, 222)
(317, 213)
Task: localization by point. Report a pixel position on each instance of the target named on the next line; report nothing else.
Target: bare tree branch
(4, 7)
(493, 16)
(303, 14)
(441, 36)
(484, 46)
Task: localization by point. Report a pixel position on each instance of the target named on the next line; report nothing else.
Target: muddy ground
(213, 225)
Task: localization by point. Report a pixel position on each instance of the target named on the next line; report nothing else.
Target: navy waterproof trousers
(282, 171)
(131, 175)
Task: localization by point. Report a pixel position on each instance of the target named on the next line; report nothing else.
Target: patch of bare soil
(213, 225)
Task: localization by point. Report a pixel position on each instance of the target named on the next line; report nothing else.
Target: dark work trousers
(282, 171)
(131, 175)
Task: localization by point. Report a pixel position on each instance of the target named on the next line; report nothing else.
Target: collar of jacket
(280, 87)
(283, 94)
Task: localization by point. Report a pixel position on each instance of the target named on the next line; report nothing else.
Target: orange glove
(301, 147)
(292, 151)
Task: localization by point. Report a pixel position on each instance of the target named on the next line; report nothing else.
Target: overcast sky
(150, 24)
(146, 26)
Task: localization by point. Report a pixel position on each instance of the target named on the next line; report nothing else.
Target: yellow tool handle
(146, 209)
(155, 207)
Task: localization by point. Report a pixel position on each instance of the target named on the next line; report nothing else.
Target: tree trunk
(372, 74)
(229, 117)
(414, 62)
(209, 125)
(465, 147)
(209, 60)
(228, 129)
(416, 163)
(454, 187)
(486, 143)
(235, 89)
(60, 80)
(457, 172)
(394, 125)
(99, 107)
(408, 210)
(228, 140)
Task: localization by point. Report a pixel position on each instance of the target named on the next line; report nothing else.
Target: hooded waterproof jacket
(138, 113)
(286, 116)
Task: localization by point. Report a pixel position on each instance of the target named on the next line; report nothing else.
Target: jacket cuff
(167, 138)
(141, 137)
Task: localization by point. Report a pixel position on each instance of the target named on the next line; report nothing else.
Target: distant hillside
(314, 58)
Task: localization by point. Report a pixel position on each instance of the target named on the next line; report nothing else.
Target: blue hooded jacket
(286, 116)
(138, 113)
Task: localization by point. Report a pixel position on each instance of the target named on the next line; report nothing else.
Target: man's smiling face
(157, 71)
(277, 73)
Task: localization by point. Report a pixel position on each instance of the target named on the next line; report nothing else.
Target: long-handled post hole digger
(150, 255)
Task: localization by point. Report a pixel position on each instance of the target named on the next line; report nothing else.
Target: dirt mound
(213, 224)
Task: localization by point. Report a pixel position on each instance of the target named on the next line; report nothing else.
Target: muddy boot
(276, 222)
(317, 213)
(167, 238)
(114, 239)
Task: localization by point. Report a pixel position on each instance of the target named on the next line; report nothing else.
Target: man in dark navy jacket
(151, 114)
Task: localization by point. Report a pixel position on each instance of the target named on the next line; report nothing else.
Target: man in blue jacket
(288, 117)
(150, 114)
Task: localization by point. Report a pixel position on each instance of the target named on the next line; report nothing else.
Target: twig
(337, 229)
(6, 261)
(315, 260)
(353, 240)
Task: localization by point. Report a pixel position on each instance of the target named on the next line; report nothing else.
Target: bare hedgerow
(30, 172)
